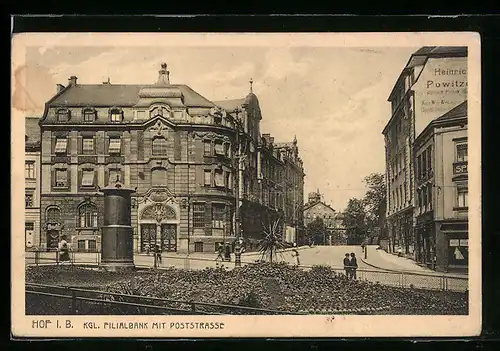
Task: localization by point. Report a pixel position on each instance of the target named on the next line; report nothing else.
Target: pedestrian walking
(296, 255)
(158, 253)
(220, 255)
(227, 253)
(347, 266)
(354, 265)
(63, 250)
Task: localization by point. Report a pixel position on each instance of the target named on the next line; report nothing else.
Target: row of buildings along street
(426, 160)
(204, 173)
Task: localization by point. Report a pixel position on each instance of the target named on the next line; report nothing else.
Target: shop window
(199, 215)
(88, 215)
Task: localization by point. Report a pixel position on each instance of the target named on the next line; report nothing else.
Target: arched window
(63, 115)
(158, 176)
(159, 146)
(89, 114)
(53, 215)
(88, 215)
(115, 115)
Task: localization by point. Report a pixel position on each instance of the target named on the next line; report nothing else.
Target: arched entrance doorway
(158, 226)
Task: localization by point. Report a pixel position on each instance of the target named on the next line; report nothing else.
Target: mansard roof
(119, 95)
(456, 112)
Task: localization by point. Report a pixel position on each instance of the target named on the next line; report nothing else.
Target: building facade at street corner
(272, 180)
(191, 161)
(32, 183)
(433, 82)
(333, 220)
(441, 188)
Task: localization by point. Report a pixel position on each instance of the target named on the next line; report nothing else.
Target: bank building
(203, 172)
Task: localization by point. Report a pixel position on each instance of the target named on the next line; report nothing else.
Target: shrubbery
(276, 286)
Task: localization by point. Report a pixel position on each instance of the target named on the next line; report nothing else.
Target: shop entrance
(52, 239)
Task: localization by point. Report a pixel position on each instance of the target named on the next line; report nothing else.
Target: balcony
(460, 169)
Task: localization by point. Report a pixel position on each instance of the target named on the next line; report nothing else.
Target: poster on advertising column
(441, 86)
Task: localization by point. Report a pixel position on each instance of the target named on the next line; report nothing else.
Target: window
(63, 115)
(228, 180)
(219, 148)
(199, 215)
(29, 231)
(88, 216)
(419, 199)
(198, 246)
(219, 178)
(207, 148)
(29, 198)
(61, 178)
(92, 245)
(462, 197)
(218, 215)
(424, 198)
(114, 146)
(424, 164)
(227, 149)
(88, 177)
(405, 193)
(429, 158)
(29, 170)
(462, 153)
(53, 215)
(88, 146)
(208, 178)
(159, 176)
(429, 189)
(61, 145)
(115, 115)
(81, 245)
(159, 146)
(89, 115)
(114, 175)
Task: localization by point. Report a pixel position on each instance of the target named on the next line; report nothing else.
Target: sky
(334, 99)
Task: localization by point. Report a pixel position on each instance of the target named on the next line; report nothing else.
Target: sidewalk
(380, 259)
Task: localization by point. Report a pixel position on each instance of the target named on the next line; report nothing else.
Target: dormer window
(116, 115)
(63, 115)
(89, 115)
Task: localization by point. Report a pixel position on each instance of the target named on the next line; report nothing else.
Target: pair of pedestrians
(350, 265)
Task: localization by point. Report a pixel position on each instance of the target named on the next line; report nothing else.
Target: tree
(355, 221)
(375, 205)
(316, 231)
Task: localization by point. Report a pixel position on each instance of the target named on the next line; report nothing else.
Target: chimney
(59, 87)
(163, 75)
(72, 80)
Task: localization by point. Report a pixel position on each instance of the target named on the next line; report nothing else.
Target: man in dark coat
(347, 266)
(354, 265)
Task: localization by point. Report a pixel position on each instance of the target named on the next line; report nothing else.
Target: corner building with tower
(197, 167)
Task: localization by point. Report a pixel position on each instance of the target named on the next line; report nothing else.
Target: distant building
(32, 183)
(193, 162)
(333, 221)
(433, 82)
(441, 188)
